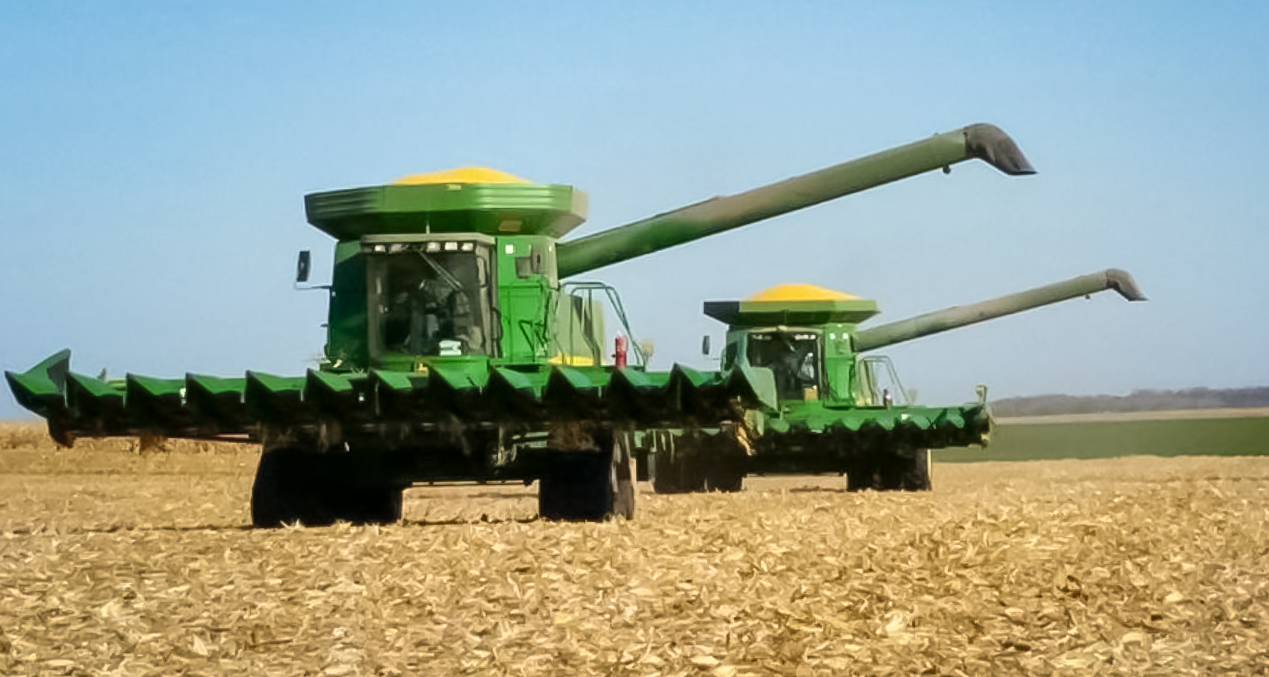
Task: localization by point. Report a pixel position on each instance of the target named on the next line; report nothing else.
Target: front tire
(726, 471)
(895, 470)
(863, 474)
(576, 486)
(317, 489)
(589, 486)
(917, 471)
(679, 470)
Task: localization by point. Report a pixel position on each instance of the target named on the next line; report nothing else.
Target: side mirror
(705, 345)
(302, 266)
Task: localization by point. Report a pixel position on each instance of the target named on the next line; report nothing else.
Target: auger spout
(979, 141)
(960, 316)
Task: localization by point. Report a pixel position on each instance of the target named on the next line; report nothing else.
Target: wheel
(892, 470)
(371, 505)
(916, 472)
(679, 469)
(665, 476)
(678, 473)
(625, 475)
(589, 485)
(726, 473)
(863, 474)
(317, 489)
(577, 486)
(906, 470)
(281, 491)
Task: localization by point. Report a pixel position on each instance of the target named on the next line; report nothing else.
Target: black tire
(665, 478)
(590, 485)
(625, 474)
(891, 470)
(577, 486)
(278, 494)
(372, 505)
(863, 474)
(726, 473)
(916, 472)
(317, 489)
(897, 470)
(679, 471)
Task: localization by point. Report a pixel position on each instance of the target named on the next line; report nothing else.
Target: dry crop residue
(114, 562)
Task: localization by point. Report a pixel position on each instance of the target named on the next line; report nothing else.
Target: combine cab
(838, 409)
(457, 353)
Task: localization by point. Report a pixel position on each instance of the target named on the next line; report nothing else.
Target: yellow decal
(573, 360)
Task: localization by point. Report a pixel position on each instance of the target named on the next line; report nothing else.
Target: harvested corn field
(114, 561)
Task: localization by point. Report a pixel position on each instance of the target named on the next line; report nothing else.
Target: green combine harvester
(837, 409)
(457, 350)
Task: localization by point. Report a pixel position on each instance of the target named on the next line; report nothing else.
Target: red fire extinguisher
(620, 356)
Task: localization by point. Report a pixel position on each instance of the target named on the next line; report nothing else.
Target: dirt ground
(114, 562)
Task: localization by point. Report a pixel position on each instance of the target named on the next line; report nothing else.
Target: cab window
(433, 300)
(794, 359)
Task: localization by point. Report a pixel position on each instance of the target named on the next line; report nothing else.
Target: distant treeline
(1140, 400)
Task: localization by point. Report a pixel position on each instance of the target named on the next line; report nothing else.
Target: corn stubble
(114, 561)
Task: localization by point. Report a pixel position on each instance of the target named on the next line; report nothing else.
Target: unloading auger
(457, 351)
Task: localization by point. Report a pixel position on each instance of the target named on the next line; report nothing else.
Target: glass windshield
(879, 383)
(794, 360)
(433, 302)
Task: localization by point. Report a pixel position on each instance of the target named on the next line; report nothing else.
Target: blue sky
(154, 156)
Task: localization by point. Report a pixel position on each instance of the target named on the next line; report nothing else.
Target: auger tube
(979, 141)
(960, 316)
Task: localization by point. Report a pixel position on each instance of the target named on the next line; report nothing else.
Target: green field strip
(1112, 439)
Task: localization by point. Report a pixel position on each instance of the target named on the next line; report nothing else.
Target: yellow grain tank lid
(460, 175)
(800, 292)
(793, 304)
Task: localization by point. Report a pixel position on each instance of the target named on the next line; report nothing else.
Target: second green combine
(837, 408)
